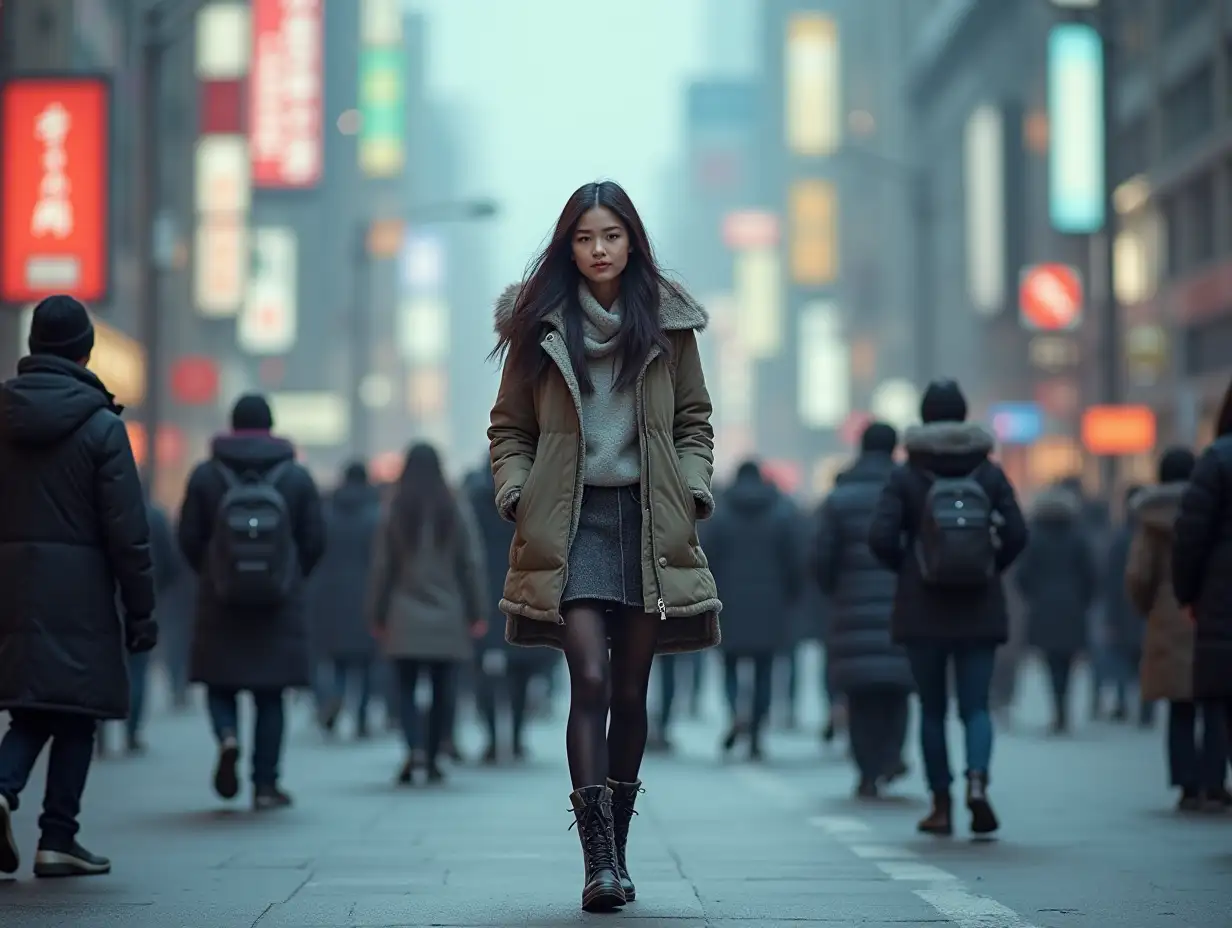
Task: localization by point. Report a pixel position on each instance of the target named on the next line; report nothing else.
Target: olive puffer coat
(538, 454)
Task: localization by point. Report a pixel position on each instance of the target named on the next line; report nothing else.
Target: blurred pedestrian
(1202, 563)
(337, 590)
(73, 531)
(755, 551)
(864, 662)
(252, 528)
(425, 598)
(1197, 770)
(1124, 623)
(504, 673)
(948, 523)
(1057, 578)
(606, 552)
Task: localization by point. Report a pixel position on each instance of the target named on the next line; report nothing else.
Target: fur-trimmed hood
(677, 310)
(1156, 507)
(1057, 505)
(948, 438)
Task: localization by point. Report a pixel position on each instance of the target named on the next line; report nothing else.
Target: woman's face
(600, 245)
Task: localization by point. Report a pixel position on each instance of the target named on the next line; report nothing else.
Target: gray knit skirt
(605, 562)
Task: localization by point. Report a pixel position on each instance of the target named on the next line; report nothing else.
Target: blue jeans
(267, 732)
(68, 765)
(973, 666)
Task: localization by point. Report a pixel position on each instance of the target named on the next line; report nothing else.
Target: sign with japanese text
(267, 324)
(54, 177)
(220, 256)
(286, 93)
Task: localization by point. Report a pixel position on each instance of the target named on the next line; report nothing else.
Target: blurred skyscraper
(732, 39)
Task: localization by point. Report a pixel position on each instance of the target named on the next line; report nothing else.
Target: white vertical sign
(267, 325)
(814, 106)
(223, 41)
(224, 183)
(220, 258)
(758, 285)
(984, 183)
(824, 389)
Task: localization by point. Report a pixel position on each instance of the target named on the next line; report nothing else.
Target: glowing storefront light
(814, 120)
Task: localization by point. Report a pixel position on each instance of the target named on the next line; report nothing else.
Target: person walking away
(602, 450)
(949, 605)
(251, 630)
(337, 592)
(1125, 625)
(865, 663)
(425, 597)
(504, 673)
(73, 531)
(1196, 769)
(1202, 564)
(1057, 578)
(756, 554)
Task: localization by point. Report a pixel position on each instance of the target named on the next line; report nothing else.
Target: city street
(1089, 839)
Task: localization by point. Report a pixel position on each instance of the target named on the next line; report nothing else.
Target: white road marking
(910, 871)
(967, 910)
(838, 824)
(882, 852)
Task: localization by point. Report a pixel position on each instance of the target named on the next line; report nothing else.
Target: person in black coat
(1202, 564)
(754, 548)
(940, 625)
(337, 588)
(1058, 581)
(864, 663)
(1123, 625)
(73, 530)
(262, 650)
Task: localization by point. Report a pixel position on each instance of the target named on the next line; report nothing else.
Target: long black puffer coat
(1057, 575)
(73, 530)
(859, 649)
(1202, 567)
(245, 649)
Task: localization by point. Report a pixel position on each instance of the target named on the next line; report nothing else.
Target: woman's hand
(1188, 612)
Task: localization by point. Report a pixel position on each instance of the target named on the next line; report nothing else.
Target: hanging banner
(220, 256)
(267, 325)
(1076, 133)
(382, 110)
(286, 93)
(55, 167)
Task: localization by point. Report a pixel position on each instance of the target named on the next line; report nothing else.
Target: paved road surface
(1089, 840)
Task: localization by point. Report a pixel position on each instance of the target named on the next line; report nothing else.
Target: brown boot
(592, 809)
(983, 818)
(624, 795)
(939, 821)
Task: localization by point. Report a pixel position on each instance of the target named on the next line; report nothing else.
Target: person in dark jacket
(1057, 578)
(864, 663)
(341, 637)
(1197, 767)
(753, 546)
(261, 650)
(1124, 626)
(1202, 564)
(503, 672)
(73, 531)
(942, 625)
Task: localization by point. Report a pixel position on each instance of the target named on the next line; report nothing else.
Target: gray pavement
(1089, 840)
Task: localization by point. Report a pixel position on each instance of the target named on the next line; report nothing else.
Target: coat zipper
(648, 506)
(579, 473)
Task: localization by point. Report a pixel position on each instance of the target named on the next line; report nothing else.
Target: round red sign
(1050, 297)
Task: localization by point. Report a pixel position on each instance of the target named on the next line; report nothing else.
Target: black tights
(599, 683)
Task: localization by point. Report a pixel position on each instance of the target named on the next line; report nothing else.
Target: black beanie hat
(943, 402)
(1176, 465)
(61, 327)
(879, 437)
(251, 413)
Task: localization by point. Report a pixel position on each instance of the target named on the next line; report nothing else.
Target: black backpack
(956, 544)
(253, 559)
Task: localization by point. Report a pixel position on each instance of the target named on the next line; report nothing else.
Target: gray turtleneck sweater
(609, 417)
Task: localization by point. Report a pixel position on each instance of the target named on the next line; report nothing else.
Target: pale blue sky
(561, 92)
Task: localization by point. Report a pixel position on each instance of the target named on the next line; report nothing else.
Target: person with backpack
(948, 524)
(73, 533)
(252, 527)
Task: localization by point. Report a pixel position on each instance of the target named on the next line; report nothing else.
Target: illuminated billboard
(382, 108)
(286, 93)
(984, 182)
(813, 108)
(814, 233)
(1076, 137)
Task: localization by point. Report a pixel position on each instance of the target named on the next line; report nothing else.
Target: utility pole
(923, 317)
(1110, 324)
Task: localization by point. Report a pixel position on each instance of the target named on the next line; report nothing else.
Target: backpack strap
(229, 477)
(275, 473)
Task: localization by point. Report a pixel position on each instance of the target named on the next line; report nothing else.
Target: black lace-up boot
(983, 818)
(624, 795)
(592, 809)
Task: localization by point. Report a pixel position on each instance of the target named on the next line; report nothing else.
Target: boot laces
(593, 826)
(622, 814)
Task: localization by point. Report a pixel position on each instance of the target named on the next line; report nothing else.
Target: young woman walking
(602, 450)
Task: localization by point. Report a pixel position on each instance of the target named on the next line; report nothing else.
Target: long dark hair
(1223, 424)
(422, 496)
(551, 282)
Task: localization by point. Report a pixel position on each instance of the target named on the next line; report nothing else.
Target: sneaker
(76, 861)
(10, 859)
(226, 780)
(268, 798)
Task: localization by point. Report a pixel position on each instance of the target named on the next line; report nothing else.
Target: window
(1175, 15)
(1200, 213)
(1174, 265)
(1189, 110)
(1132, 154)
